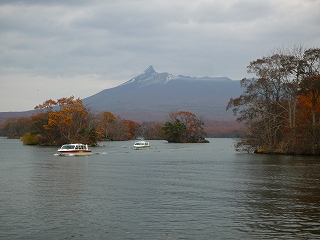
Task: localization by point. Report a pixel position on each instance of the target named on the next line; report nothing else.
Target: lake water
(171, 191)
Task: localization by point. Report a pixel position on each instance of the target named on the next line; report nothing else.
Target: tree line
(67, 120)
(281, 104)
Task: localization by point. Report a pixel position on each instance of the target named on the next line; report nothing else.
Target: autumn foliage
(184, 126)
(281, 106)
(67, 120)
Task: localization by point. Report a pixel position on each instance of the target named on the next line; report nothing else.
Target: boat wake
(75, 155)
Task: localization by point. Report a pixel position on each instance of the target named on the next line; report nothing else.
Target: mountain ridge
(150, 96)
(154, 95)
(152, 77)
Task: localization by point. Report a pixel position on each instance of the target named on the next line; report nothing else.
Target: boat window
(67, 147)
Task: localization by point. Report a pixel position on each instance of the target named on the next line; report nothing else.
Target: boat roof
(73, 144)
(141, 142)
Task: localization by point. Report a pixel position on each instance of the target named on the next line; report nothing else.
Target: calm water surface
(171, 191)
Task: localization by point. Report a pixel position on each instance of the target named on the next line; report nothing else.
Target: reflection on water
(58, 179)
(283, 196)
(171, 191)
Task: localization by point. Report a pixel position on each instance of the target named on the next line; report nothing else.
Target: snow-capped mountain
(152, 95)
(150, 76)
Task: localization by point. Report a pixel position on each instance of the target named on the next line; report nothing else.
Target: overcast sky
(52, 49)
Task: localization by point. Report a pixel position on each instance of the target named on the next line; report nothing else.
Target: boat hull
(75, 153)
(141, 147)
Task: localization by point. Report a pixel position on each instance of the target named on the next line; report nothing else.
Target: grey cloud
(45, 2)
(116, 40)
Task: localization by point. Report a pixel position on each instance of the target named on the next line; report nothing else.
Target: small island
(67, 120)
(184, 127)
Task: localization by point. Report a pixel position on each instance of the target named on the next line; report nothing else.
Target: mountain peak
(149, 71)
(150, 76)
(147, 77)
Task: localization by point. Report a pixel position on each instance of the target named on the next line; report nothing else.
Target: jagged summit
(149, 71)
(150, 76)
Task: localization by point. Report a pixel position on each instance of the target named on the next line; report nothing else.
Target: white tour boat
(74, 149)
(141, 145)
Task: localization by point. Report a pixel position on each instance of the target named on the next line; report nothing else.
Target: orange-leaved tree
(132, 127)
(66, 121)
(308, 114)
(104, 121)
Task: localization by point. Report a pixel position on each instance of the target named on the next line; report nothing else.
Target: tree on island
(67, 120)
(63, 121)
(184, 127)
(281, 105)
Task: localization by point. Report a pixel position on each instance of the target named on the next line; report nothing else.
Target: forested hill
(151, 95)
